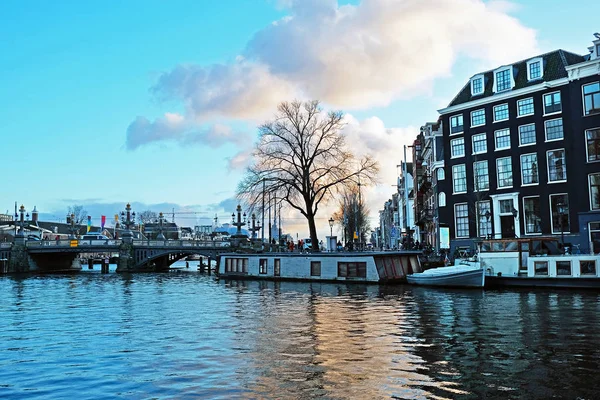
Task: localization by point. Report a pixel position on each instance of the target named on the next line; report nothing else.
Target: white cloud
(353, 57)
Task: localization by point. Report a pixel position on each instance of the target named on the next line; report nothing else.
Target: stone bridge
(133, 255)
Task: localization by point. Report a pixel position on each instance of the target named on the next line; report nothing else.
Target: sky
(157, 102)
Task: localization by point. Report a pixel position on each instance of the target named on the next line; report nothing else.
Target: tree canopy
(302, 159)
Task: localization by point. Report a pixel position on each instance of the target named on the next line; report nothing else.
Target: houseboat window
(541, 267)
(563, 268)
(315, 268)
(524, 246)
(497, 246)
(262, 266)
(486, 247)
(511, 246)
(277, 267)
(587, 267)
(236, 265)
(352, 269)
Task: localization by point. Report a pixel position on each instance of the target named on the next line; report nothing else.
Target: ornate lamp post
(72, 228)
(237, 238)
(128, 219)
(561, 207)
(22, 220)
(255, 227)
(331, 226)
(161, 221)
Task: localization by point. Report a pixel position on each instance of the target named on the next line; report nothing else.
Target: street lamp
(128, 219)
(161, 220)
(487, 216)
(561, 207)
(331, 226)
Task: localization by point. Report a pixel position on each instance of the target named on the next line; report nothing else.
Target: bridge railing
(182, 243)
(71, 243)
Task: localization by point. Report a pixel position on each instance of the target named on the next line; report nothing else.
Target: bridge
(133, 255)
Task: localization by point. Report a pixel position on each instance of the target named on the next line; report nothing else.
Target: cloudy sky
(157, 102)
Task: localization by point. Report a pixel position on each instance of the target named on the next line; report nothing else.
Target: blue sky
(157, 103)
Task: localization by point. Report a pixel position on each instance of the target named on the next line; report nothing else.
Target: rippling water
(184, 335)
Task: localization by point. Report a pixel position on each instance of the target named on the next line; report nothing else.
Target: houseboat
(536, 261)
(371, 266)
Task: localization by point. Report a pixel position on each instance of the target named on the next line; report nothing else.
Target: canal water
(183, 334)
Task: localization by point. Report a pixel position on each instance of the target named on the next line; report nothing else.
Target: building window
(502, 138)
(315, 268)
(459, 178)
(557, 167)
(484, 220)
(533, 215)
(457, 147)
(441, 175)
(554, 129)
(525, 107)
(262, 266)
(552, 103)
(477, 85)
(479, 143)
(504, 172)
(352, 269)
(594, 190)
(501, 112)
(461, 220)
(456, 124)
(442, 199)
(529, 169)
(503, 80)
(526, 134)
(592, 137)
(535, 70)
(560, 220)
(480, 175)
(478, 117)
(591, 98)
(277, 267)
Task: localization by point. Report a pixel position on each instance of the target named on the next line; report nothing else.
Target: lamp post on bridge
(238, 237)
(72, 228)
(161, 221)
(128, 219)
(21, 219)
(255, 227)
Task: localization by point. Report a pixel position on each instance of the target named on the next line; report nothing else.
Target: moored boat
(535, 262)
(365, 267)
(451, 276)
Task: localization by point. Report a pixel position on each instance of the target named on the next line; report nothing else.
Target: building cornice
(584, 69)
(504, 96)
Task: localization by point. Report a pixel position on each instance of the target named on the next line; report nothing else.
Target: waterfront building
(521, 145)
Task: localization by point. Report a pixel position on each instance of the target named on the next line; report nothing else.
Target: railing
(117, 242)
(70, 242)
(182, 243)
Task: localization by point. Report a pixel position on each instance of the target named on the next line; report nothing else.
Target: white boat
(361, 267)
(535, 261)
(452, 276)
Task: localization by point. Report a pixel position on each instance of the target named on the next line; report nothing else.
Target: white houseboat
(334, 266)
(534, 262)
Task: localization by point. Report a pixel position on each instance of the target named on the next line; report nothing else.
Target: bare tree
(301, 158)
(148, 217)
(80, 214)
(353, 215)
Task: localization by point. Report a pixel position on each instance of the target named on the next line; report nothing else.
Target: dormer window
(477, 85)
(503, 79)
(535, 69)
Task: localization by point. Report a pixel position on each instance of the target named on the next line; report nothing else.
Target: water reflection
(182, 334)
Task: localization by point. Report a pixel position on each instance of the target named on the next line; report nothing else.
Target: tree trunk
(312, 229)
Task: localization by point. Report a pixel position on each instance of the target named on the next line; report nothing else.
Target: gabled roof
(554, 68)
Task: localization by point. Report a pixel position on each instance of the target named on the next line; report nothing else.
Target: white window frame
(456, 220)
(484, 141)
(473, 79)
(452, 155)
(521, 167)
(535, 136)
(532, 109)
(552, 213)
(510, 73)
(548, 165)
(484, 118)
(525, 216)
(544, 103)
(482, 221)
(476, 187)
(587, 153)
(442, 199)
(498, 173)
(464, 170)
(496, 148)
(533, 61)
(583, 98)
(590, 192)
(440, 174)
(450, 123)
(507, 113)
(546, 130)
